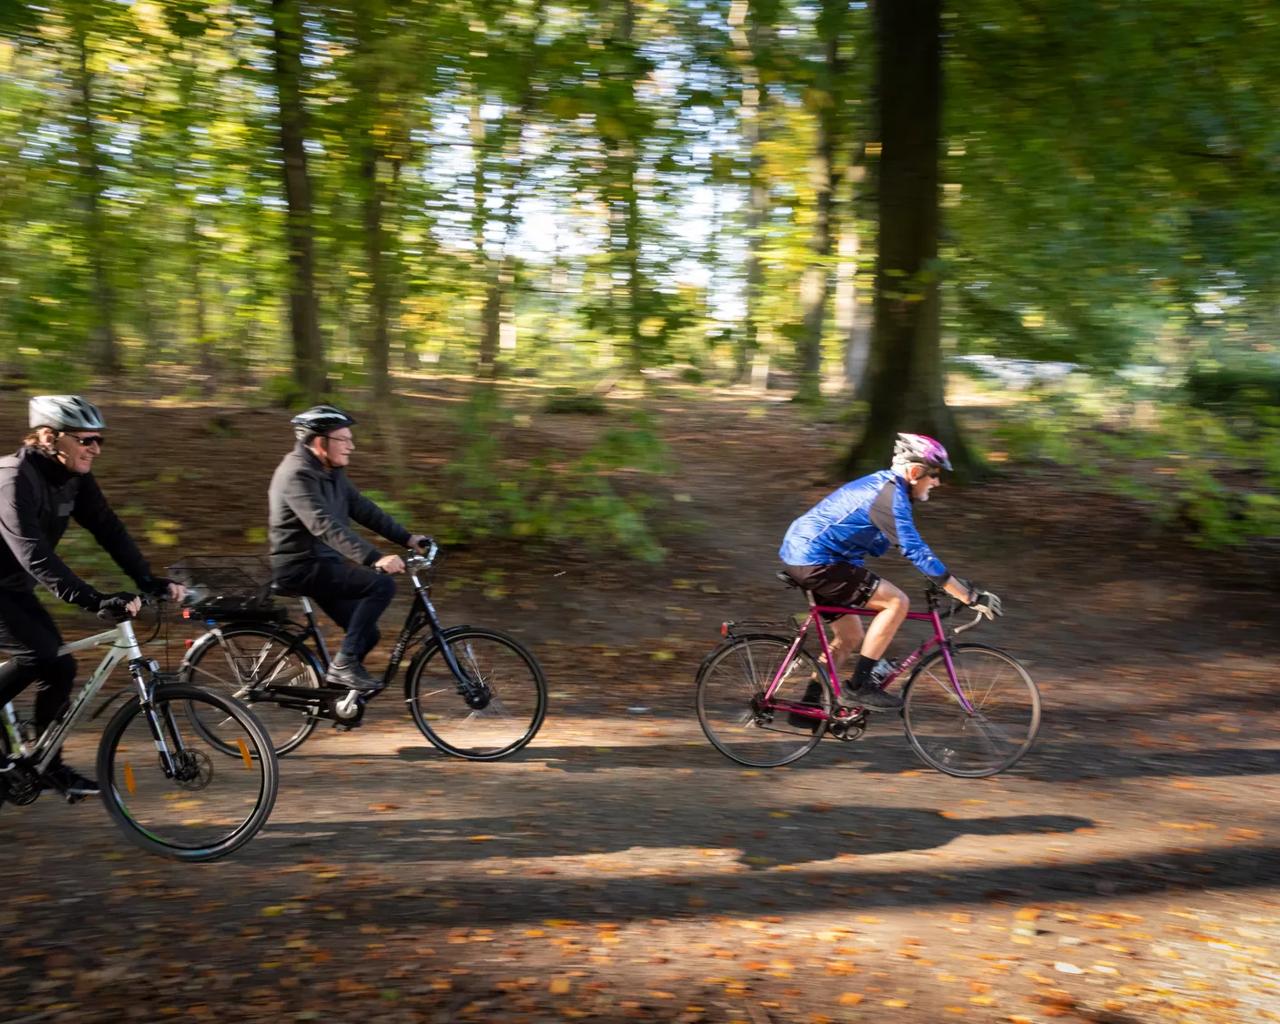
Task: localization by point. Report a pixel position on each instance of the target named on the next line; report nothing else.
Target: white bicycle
(168, 788)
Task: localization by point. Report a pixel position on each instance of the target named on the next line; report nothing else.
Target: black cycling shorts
(846, 586)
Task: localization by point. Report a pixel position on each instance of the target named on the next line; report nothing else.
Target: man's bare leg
(846, 639)
(891, 606)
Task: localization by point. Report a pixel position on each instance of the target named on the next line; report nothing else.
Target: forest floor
(1126, 872)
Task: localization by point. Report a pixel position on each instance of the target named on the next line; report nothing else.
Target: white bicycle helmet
(64, 412)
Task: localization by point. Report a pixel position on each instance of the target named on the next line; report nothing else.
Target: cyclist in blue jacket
(825, 548)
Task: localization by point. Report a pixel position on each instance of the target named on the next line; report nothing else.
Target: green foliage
(1212, 477)
(1240, 386)
(399, 510)
(582, 403)
(283, 391)
(599, 499)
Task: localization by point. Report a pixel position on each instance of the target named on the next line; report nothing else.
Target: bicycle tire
(126, 739)
(517, 687)
(289, 728)
(728, 688)
(1009, 719)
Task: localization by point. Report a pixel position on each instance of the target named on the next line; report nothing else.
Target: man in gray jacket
(313, 544)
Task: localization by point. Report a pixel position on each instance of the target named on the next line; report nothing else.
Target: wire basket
(223, 586)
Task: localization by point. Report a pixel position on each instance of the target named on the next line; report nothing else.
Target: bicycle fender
(201, 642)
(737, 638)
(428, 647)
(211, 637)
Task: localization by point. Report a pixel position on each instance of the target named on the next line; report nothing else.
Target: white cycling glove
(987, 603)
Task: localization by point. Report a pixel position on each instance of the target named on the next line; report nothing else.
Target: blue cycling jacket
(863, 518)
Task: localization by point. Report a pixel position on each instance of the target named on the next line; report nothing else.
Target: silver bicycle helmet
(64, 412)
(320, 420)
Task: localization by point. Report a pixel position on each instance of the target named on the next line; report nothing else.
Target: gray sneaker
(868, 697)
(350, 674)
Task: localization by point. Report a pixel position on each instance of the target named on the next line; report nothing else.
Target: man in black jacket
(48, 481)
(312, 505)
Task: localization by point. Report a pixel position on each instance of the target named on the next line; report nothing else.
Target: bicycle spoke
(246, 663)
(990, 735)
(500, 675)
(173, 790)
(739, 721)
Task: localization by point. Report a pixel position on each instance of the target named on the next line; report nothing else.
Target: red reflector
(187, 642)
(724, 629)
(186, 613)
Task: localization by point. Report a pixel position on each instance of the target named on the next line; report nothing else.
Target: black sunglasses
(97, 439)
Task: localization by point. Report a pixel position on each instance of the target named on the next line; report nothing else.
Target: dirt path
(619, 869)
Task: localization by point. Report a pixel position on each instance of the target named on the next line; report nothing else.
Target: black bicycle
(475, 693)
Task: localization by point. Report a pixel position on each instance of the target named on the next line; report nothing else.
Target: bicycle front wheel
(985, 741)
(175, 793)
(247, 663)
(741, 724)
(495, 712)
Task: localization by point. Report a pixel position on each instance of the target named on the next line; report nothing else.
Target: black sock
(862, 673)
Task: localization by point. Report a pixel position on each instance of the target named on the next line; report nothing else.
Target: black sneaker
(69, 782)
(870, 698)
(350, 674)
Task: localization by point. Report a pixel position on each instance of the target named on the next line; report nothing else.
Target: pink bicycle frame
(909, 662)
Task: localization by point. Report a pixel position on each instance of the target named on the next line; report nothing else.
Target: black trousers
(27, 632)
(353, 596)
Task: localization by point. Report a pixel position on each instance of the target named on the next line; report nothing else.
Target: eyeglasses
(84, 442)
(350, 442)
(934, 474)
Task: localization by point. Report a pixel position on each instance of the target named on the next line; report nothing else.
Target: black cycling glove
(115, 607)
(154, 586)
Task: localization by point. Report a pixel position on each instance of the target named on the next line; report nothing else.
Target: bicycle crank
(849, 729)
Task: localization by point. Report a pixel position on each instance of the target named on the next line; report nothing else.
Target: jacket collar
(309, 457)
(53, 470)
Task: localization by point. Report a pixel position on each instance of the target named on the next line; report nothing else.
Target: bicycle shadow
(1050, 760)
(757, 837)
(885, 753)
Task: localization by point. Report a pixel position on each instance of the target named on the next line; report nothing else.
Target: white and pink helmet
(919, 448)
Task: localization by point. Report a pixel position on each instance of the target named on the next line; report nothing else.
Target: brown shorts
(845, 586)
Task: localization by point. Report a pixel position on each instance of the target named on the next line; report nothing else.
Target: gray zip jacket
(311, 511)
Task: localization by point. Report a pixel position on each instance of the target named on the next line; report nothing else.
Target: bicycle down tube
(907, 663)
(47, 745)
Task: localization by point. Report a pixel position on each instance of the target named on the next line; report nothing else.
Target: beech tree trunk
(906, 381)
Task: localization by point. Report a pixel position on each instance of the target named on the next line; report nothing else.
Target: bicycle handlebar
(418, 560)
(978, 617)
(148, 601)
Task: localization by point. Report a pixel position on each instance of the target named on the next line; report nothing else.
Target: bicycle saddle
(785, 578)
(278, 589)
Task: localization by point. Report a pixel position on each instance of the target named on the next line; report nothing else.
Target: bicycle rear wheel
(733, 713)
(505, 709)
(986, 741)
(208, 804)
(245, 663)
